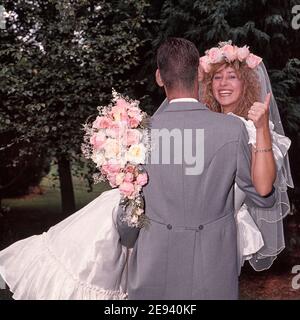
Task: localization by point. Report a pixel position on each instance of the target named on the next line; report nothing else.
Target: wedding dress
(81, 258)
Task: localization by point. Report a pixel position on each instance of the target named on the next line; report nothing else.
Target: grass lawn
(35, 213)
(49, 201)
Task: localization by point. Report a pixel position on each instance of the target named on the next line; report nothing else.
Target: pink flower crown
(226, 52)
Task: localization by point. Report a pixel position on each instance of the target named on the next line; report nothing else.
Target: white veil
(269, 221)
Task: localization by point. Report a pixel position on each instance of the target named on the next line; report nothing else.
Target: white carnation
(112, 148)
(136, 154)
(98, 158)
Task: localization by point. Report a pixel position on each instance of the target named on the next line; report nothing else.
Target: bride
(82, 258)
(235, 82)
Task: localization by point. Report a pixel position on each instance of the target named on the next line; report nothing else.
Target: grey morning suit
(189, 250)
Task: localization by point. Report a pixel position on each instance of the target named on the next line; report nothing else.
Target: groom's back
(191, 215)
(191, 175)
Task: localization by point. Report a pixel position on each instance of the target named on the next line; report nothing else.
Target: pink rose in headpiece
(243, 53)
(253, 61)
(215, 55)
(205, 64)
(230, 52)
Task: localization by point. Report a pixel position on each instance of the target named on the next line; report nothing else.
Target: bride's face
(227, 88)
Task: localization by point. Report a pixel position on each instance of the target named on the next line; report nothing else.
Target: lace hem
(43, 276)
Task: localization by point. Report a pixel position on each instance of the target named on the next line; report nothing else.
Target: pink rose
(119, 111)
(253, 61)
(113, 168)
(98, 140)
(126, 188)
(133, 137)
(130, 169)
(142, 179)
(112, 180)
(128, 177)
(205, 64)
(243, 53)
(102, 123)
(133, 122)
(122, 104)
(215, 55)
(110, 169)
(134, 112)
(230, 52)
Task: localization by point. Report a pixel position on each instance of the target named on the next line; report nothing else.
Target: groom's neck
(178, 93)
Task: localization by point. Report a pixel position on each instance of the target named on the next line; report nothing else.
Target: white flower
(112, 148)
(136, 154)
(119, 178)
(98, 158)
(134, 220)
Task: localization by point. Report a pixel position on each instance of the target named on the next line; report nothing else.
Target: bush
(20, 168)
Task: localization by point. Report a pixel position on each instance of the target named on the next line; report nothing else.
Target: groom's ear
(158, 78)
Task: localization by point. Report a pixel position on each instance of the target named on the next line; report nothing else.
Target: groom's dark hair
(178, 61)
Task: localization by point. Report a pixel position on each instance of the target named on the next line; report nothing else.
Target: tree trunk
(66, 186)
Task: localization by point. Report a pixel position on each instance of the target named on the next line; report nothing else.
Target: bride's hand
(259, 113)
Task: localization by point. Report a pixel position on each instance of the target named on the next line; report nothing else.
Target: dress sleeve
(243, 174)
(280, 143)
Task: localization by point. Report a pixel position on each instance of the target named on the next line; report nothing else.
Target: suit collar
(184, 106)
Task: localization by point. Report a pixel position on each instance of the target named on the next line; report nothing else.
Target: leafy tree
(59, 60)
(19, 171)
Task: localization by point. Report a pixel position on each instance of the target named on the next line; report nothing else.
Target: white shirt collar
(183, 100)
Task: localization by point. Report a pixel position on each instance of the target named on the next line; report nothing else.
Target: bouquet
(117, 141)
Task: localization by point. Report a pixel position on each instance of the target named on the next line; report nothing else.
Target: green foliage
(59, 60)
(20, 170)
(91, 46)
(264, 25)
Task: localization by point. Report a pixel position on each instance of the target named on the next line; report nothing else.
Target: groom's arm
(243, 176)
(128, 235)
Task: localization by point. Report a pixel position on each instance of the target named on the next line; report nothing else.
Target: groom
(189, 250)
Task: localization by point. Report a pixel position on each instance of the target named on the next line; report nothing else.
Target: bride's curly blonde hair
(250, 93)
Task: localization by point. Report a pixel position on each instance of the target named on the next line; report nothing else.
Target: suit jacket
(189, 250)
